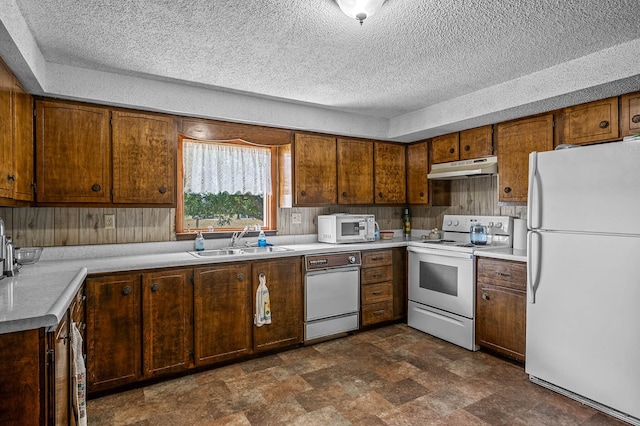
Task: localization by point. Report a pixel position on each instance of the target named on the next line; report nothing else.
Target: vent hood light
(464, 169)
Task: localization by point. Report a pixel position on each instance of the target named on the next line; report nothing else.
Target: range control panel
(332, 260)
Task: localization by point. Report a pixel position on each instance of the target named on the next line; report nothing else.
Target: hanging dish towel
(263, 306)
(79, 379)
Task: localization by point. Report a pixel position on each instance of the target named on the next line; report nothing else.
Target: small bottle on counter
(262, 240)
(406, 221)
(199, 242)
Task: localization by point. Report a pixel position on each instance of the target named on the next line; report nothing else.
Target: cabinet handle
(376, 292)
(303, 193)
(422, 194)
(11, 178)
(503, 274)
(380, 312)
(126, 291)
(380, 194)
(376, 259)
(344, 194)
(467, 147)
(162, 190)
(604, 124)
(452, 150)
(155, 287)
(507, 189)
(485, 296)
(376, 275)
(636, 118)
(240, 277)
(96, 187)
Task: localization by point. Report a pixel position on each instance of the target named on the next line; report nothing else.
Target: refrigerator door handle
(533, 267)
(534, 181)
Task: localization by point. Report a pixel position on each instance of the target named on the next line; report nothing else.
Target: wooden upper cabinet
(167, 300)
(114, 345)
(630, 114)
(144, 158)
(315, 170)
(390, 178)
(73, 155)
(417, 170)
(515, 140)
(476, 143)
(591, 122)
(284, 280)
(6, 131)
(445, 148)
(23, 147)
(355, 171)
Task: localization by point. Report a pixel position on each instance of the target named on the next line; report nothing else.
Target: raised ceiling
(416, 69)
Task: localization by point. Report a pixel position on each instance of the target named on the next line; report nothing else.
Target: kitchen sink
(238, 251)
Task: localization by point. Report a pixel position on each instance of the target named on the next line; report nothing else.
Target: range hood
(464, 169)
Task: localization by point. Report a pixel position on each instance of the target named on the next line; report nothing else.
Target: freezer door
(591, 188)
(582, 329)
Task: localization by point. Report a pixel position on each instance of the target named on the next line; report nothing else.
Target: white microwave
(346, 228)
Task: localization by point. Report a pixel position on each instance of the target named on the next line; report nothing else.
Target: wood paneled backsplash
(68, 226)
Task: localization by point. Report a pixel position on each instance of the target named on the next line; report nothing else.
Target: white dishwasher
(332, 294)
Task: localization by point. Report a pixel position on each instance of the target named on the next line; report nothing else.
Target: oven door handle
(443, 253)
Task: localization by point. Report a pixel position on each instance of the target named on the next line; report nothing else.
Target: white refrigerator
(583, 273)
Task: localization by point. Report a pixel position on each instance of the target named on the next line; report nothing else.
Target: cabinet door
(501, 319)
(23, 148)
(417, 170)
(516, 139)
(59, 373)
(73, 161)
(22, 400)
(592, 122)
(167, 321)
(445, 148)
(315, 170)
(390, 173)
(144, 158)
(355, 172)
(630, 114)
(476, 143)
(6, 131)
(222, 313)
(284, 281)
(113, 331)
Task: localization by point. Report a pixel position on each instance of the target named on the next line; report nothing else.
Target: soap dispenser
(199, 242)
(262, 240)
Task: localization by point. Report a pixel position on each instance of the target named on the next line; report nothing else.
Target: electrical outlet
(109, 221)
(296, 218)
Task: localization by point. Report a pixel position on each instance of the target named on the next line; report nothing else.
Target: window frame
(271, 201)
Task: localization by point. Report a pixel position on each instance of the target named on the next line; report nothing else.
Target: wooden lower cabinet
(382, 286)
(59, 373)
(167, 318)
(222, 312)
(284, 281)
(501, 303)
(113, 331)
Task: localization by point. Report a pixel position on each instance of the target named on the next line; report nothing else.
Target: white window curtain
(218, 167)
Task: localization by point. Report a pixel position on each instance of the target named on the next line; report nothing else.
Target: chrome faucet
(238, 235)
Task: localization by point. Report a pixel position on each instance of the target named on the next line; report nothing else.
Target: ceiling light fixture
(359, 9)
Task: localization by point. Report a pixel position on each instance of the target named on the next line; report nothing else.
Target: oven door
(442, 279)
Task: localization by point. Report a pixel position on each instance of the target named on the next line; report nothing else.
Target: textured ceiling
(412, 54)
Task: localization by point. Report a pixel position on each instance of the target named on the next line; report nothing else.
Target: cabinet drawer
(505, 273)
(372, 259)
(376, 275)
(377, 312)
(375, 293)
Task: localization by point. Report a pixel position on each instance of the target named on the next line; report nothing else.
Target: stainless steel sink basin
(237, 251)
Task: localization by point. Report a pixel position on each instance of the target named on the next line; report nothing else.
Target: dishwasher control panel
(332, 260)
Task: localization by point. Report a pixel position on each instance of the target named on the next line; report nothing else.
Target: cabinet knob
(380, 194)
(422, 194)
(376, 292)
(380, 312)
(155, 287)
(344, 194)
(240, 277)
(452, 150)
(507, 189)
(636, 118)
(467, 147)
(162, 190)
(126, 291)
(604, 124)
(485, 296)
(303, 193)
(11, 178)
(96, 187)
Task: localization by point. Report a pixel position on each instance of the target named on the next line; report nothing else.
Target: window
(226, 185)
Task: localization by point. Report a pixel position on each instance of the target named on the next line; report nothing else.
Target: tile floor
(390, 376)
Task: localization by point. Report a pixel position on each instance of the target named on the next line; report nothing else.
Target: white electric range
(442, 277)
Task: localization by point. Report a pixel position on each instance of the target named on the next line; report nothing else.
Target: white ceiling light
(360, 9)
